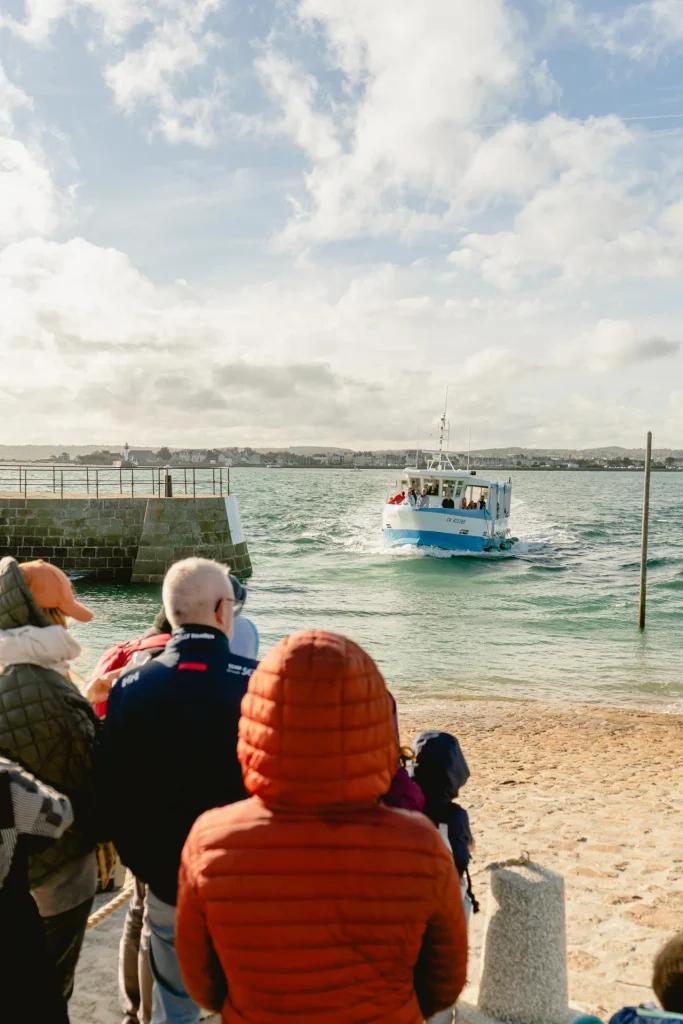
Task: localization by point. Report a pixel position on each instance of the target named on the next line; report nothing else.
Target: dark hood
(440, 768)
(17, 604)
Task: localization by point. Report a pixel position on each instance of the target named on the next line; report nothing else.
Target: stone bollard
(524, 960)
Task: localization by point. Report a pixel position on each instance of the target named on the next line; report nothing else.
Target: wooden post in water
(643, 541)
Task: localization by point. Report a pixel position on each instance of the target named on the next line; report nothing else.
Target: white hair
(192, 588)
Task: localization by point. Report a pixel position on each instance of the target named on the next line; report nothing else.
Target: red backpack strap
(160, 640)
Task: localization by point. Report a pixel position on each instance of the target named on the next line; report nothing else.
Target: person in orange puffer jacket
(313, 901)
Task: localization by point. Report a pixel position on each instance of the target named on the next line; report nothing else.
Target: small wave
(412, 551)
(652, 563)
(670, 585)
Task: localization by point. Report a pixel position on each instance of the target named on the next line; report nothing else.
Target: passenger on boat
(397, 499)
(482, 502)
(411, 498)
(423, 500)
(447, 503)
(463, 503)
(472, 505)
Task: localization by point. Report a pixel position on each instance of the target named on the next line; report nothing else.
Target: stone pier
(125, 539)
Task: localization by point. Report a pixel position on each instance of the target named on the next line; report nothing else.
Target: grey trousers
(135, 974)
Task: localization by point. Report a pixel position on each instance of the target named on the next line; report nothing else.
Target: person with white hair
(169, 753)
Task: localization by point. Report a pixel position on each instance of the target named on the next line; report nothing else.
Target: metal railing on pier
(107, 481)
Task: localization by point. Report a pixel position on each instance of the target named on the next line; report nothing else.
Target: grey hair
(192, 588)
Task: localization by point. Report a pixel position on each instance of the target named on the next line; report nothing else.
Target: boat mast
(442, 423)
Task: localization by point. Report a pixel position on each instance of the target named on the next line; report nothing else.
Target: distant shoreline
(346, 469)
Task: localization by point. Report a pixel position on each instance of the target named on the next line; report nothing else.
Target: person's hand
(98, 689)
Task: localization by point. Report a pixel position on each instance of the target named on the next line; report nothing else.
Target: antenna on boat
(417, 449)
(442, 424)
(469, 451)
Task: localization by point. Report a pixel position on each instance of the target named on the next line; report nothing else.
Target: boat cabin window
(474, 497)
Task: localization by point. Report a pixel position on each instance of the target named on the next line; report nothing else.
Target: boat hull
(433, 539)
(449, 530)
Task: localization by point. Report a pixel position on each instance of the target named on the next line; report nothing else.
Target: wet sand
(594, 793)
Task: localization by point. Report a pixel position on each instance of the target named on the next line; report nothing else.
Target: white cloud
(593, 207)
(12, 99)
(547, 89)
(390, 141)
(397, 132)
(294, 92)
(111, 21)
(30, 202)
(167, 73)
(91, 344)
(152, 75)
(641, 31)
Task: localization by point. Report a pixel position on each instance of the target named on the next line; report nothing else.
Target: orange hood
(317, 725)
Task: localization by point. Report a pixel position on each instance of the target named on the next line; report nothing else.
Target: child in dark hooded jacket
(440, 770)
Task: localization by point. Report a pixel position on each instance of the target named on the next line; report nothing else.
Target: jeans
(170, 1002)
(135, 975)
(64, 934)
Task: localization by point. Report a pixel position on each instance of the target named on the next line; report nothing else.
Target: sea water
(555, 619)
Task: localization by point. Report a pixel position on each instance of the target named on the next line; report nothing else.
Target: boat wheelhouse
(448, 508)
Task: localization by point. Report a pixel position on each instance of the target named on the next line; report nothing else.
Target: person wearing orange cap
(51, 730)
(53, 592)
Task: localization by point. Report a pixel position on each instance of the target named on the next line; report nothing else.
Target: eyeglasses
(239, 605)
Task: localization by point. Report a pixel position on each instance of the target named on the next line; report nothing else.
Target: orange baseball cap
(51, 589)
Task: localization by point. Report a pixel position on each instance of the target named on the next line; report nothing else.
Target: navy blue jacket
(440, 769)
(169, 750)
(645, 1015)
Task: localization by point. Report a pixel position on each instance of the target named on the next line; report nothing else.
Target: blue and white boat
(448, 508)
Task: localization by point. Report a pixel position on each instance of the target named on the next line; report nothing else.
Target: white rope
(103, 913)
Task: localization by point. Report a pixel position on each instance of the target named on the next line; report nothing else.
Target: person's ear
(224, 617)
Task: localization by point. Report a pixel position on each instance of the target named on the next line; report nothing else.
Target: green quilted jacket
(49, 729)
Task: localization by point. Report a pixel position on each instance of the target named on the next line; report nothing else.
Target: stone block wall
(124, 539)
(97, 536)
(184, 527)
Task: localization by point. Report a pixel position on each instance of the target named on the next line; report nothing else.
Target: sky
(297, 222)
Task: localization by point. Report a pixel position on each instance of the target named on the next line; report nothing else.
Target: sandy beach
(591, 792)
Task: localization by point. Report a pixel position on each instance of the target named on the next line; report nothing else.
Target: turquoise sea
(555, 620)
